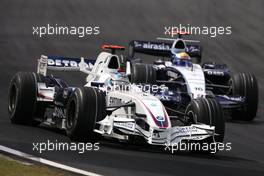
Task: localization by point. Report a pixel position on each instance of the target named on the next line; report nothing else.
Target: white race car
(106, 105)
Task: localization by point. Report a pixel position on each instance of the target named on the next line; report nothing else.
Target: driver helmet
(180, 58)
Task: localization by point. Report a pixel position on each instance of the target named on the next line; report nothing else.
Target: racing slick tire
(22, 98)
(208, 111)
(245, 85)
(85, 107)
(143, 74)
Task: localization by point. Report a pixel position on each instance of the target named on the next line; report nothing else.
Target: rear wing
(112, 48)
(58, 63)
(162, 49)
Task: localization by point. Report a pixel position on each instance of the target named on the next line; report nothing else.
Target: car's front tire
(208, 111)
(85, 107)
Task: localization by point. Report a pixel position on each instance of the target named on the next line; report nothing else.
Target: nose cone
(157, 113)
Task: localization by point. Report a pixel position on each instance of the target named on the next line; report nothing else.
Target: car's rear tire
(143, 74)
(85, 107)
(22, 98)
(208, 111)
(245, 85)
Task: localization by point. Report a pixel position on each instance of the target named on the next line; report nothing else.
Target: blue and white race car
(177, 69)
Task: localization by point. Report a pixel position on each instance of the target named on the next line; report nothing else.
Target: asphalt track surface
(121, 21)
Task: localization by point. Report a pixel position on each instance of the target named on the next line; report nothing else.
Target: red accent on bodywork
(43, 96)
(154, 119)
(112, 47)
(120, 70)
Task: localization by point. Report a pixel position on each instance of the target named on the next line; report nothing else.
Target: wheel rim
(191, 115)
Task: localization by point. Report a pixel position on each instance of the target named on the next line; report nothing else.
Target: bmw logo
(160, 118)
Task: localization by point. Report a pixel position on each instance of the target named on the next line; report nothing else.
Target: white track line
(46, 162)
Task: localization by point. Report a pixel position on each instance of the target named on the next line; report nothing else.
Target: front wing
(169, 136)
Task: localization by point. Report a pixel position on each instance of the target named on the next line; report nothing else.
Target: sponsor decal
(237, 98)
(46, 89)
(192, 49)
(69, 62)
(149, 45)
(214, 72)
(126, 125)
(198, 89)
(163, 46)
(115, 101)
(187, 130)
